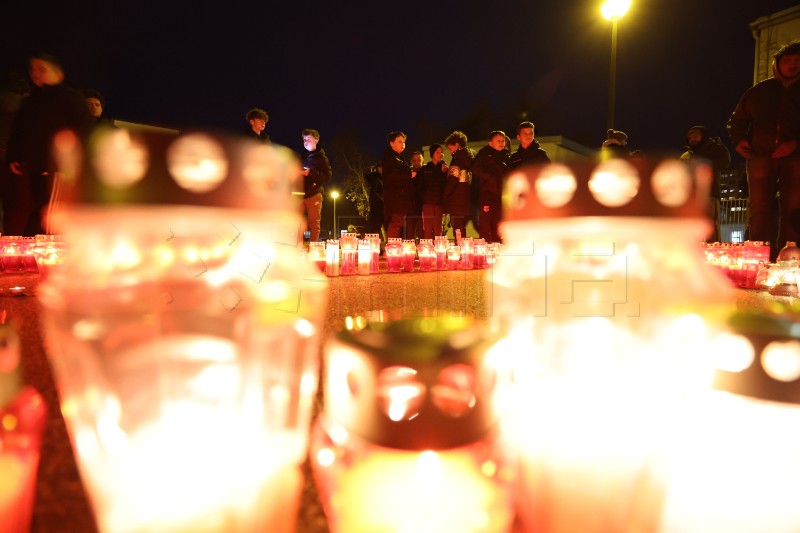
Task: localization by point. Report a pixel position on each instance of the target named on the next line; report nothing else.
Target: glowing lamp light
(607, 315)
(407, 441)
(183, 329)
(615, 9)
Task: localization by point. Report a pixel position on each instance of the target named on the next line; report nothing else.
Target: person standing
(430, 184)
(256, 123)
(458, 183)
(711, 150)
(316, 173)
(51, 106)
(376, 217)
(490, 168)
(529, 152)
(765, 129)
(415, 219)
(398, 187)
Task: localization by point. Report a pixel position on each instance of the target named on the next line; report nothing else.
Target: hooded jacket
(767, 115)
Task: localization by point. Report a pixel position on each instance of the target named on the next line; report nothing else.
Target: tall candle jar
(427, 255)
(608, 315)
(440, 244)
(409, 255)
(375, 243)
(364, 257)
(183, 330)
(332, 258)
(394, 255)
(408, 438)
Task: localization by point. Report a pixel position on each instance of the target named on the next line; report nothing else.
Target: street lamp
(334, 195)
(613, 10)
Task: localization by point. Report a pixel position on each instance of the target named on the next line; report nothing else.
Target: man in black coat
(51, 107)
(430, 185)
(456, 199)
(490, 167)
(398, 186)
(317, 171)
(529, 152)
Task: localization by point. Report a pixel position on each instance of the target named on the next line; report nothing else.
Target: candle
(316, 254)
(364, 256)
(396, 491)
(427, 255)
(441, 244)
(12, 254)
(394, 255)
(332, 258)
(479, 253)
(375, 243)
(466, 253)
(409, 255)
(453, 257)
(349, 246)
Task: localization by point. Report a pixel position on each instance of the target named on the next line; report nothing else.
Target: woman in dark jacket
(457, 185)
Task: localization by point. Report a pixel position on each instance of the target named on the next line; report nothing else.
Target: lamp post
(613, 10)
(334, 195)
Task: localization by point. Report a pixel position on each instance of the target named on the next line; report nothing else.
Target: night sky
(366, 68)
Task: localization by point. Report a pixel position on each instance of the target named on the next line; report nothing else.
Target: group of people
(422, 200)
(430, 199)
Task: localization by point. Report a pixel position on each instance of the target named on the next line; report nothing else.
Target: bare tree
(351, 165)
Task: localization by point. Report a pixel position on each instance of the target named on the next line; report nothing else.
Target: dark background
(366, 68)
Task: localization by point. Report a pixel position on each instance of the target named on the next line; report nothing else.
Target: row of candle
(740, 262)
(19, 254)
(352, 256)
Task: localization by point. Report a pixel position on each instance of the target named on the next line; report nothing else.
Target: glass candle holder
(316, 254)
(49, 251)
(332, 258)
(349, 246)
(375, 243)
(467, 252)
(183, 331)
(427, 255)
(23, 415)
(364, 257)
(409, 255)
(407, 441)
(735, 464)
(12, 254)
(394, 255)
(454, 257)
(479, 249)
(608, 315)
(440, 244)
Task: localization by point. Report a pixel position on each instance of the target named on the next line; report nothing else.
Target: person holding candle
(490, 167)
(316, 172)
(398, 186)
(430, 184)
(457, 186)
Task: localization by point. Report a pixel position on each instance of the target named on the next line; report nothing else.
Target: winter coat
(767, 115)
(430, 183)
(456, 195)
(398, 187)
(532, 155)
(319, 171)
(489, 168)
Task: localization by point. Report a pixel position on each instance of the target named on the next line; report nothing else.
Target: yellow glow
(732, 353)
(119, 160)
(197, 162)
(781, 360)
(325, 457)
(305, 328)
(615, 9)
(614, 183)
(672, 183)
(555, 185)
(9, 422)
(334, 194)
(123, 255)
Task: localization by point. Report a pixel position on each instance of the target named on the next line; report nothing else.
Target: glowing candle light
(441, 244)
(332, 258)
(427, 255)
(409, 255)
(422, 419)
(364, 257)
(394, 255)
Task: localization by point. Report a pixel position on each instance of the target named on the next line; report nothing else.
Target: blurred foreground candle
(736, 464)
(607, 313)
(49, 251)
(332, 258)
(409, 255)
(23, 416)
(427, 255)
(440, 243)
(407, 442)
(394, 255)
(364, 257)
(183, 332)
(12, 254)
